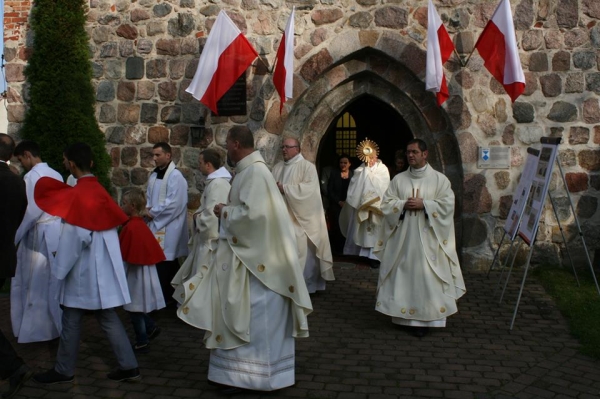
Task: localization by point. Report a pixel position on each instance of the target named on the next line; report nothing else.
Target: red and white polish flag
(497, 45)
(226, 56)
(439, 49)
(283, 76)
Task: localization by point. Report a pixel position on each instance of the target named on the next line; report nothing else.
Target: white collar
(219, 173)
(419, 170)
(296, 158)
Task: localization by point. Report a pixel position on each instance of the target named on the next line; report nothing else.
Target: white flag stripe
(434, 72)
(222, 34)
(288, 61)
(512, 66)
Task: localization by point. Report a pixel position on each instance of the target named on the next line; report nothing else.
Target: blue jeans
(142, 325)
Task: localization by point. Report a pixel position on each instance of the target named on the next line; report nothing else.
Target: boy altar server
(88, 260)
(141, 252)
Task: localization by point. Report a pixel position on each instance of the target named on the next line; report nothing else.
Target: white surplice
(144, 289)
(203, 243)
(34, 307)
(91, 266)
(303, 199)
(170, 213)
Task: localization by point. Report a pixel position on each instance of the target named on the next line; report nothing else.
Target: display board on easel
(511, 227)
(534, 206)
(538, 189)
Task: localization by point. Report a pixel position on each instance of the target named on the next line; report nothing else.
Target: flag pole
(265, 64)
(462, 65)
(469, 57)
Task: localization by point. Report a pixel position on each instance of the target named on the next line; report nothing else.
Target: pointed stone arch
(388, 70)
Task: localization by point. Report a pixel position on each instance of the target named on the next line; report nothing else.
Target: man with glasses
(298, 182)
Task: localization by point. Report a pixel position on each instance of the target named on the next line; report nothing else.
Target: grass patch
(579, 305)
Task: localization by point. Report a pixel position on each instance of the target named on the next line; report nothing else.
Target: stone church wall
(145, 52)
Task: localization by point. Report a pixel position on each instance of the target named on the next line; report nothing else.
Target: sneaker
(154, 333)
(125, 375)
(51, 377)
(16, 381)
(141, 348)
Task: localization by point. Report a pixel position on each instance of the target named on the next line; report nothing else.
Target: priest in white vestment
(252, 301)
(203, 244)
(34, 307)
(167, 196)
(298, 182)
(420, 278)
(361, 218)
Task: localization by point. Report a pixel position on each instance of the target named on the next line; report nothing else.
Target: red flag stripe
(280, 72)
(498, 47)
(232, 63)
(446, 44)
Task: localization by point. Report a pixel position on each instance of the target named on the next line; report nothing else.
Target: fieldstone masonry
(145, 53)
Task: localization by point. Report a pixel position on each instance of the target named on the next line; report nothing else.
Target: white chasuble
(420, 277)
(303, 199)
(257, 243)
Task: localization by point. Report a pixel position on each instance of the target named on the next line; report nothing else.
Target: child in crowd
(141, 252)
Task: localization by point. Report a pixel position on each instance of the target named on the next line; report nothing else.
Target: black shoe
(125, 375)
(52, 377)
(141, 348)
(232, 390)
(154, 333)
(420, 332)
(374, 263)
(16, 381)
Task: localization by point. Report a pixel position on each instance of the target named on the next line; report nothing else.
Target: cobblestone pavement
(354, 352)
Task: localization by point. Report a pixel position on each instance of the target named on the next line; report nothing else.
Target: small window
(345, 134)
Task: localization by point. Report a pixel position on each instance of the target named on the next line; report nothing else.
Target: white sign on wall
(493, 157)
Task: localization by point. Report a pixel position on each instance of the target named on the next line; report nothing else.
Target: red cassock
(138, 244)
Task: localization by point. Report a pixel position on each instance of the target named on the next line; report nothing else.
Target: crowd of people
(260, 245)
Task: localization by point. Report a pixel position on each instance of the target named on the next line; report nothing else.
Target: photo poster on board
(539, 189)
(511, 227)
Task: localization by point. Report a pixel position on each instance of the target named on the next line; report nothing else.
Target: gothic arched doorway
(391, 105)
(370, 118)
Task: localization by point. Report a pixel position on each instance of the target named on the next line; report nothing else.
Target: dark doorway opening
(373, 119)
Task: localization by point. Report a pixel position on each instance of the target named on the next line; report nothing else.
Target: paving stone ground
(356, 353)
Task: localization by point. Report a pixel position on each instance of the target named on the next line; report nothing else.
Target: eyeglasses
(288, 146)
